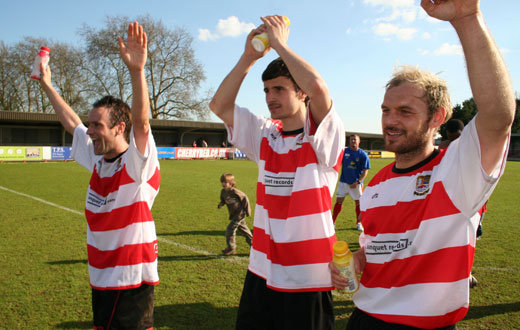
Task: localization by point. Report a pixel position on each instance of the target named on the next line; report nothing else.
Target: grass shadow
(68, 262)
(194, 316)
(74, 325)
(477, 312)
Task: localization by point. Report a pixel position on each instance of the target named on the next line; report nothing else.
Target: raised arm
(307, 78)
(134, 54)
(223, 102)
(488, 75)
(68, 118)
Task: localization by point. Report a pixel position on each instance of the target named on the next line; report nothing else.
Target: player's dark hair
(454, 125)
(277, 68)
(118, 111)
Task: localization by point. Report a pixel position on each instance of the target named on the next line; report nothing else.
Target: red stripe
(339, 162)
(155, 180)
(405, 216)
(386, 172)
(287, 162)
(425, 322)
(132, 254)
(299, 203)
(446, 265)
(294, 253)
(119, 218)
(106, 185)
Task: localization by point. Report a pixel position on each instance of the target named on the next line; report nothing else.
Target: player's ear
(438, 118)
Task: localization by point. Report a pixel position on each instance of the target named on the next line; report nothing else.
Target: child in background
(239, 208)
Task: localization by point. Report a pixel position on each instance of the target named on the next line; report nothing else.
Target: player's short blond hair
(435, 89)
(228, 177)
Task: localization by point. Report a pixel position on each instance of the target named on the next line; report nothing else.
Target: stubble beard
(414, 144)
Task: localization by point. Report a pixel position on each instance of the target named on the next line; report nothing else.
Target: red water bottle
(43, 56)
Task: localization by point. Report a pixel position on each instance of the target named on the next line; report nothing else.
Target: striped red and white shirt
(121, 238)
(293, 231)
(419, 235)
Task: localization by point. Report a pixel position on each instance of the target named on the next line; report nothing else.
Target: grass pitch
(44, 276)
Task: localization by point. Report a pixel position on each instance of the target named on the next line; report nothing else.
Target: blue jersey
(354, 162)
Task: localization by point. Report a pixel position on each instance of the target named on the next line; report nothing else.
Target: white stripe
(300, 277)
(394, 190)
(235, 259)
(119, 276)
(126, 195)
(414, 299)
(295, 229)
(136, 233)
(302, 228)
(432, 235)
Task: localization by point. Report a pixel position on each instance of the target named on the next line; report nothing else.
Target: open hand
(134, 52)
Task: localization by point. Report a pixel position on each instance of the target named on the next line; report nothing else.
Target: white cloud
(407, 16)
(348, 31)
(205, 35)
(388, 29)
(426, 35)
(392, 3)
(229, 27)
(447, 49)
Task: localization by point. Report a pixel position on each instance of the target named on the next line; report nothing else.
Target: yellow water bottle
(344, 261)
(260, 42)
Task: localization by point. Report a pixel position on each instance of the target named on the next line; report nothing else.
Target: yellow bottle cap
(340, 247)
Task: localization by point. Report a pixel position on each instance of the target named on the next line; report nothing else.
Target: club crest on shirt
(422, 186)
(300, 139)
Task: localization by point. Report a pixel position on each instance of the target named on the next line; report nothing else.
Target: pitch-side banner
(200, 153)
(21, 153)
(165, 152)
(60, 153)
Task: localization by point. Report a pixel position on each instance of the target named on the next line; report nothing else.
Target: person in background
(354, 170)
(454, 128)
(421, 212)
(238, 208)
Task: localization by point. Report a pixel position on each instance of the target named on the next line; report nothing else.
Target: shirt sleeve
(366, 163)
(328, 139)
(246, 133)
(141, 167)
(83, 149)
(465, 181)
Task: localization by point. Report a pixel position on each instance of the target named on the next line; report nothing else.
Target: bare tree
(174, 75)
(18, 92)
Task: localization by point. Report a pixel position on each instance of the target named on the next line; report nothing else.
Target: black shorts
(360, 320)
(264, 308)
(123, 309)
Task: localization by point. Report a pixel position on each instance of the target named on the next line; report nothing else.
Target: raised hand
(45, 78)
(134, 52)
(450, 10)
(277, 30)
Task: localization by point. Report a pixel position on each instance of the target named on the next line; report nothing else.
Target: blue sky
(354, 44)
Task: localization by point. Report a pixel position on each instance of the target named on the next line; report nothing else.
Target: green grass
(44, 276)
